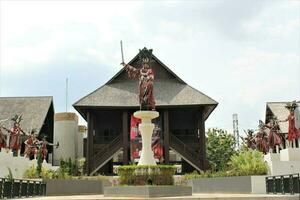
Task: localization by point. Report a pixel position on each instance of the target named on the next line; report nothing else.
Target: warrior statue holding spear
(15, 132)
(146, 77)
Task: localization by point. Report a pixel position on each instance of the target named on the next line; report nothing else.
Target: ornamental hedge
(146, 174)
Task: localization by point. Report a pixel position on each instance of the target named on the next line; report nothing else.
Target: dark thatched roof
(169, 91)
(278, 110)
(33, 110)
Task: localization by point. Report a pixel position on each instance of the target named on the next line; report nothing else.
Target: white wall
(17, 165)
(65, 132)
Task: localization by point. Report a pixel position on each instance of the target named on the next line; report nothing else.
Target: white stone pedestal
(146, 128)
(17, 164)
(286, 162)
(272, 157)
(290, 154)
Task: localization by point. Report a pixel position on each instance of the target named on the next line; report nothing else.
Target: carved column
(166, 132)
(90, 142)
(125, 137)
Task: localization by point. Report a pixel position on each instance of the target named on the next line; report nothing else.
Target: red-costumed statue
(2, 139)
(249, 140)
(293, 132)
(14, 137)
(275, 138)
(262, 138)
(43, 147)
(146, 77)
(31, 145)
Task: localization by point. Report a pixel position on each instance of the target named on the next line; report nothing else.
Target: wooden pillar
(201, 129)
(166, 136)
(125, 137)
(90, 142)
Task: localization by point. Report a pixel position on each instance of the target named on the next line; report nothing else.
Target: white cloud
(64, 26)
(257, 60)
(284, 30)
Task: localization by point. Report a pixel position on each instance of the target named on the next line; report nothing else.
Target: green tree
(219, 148)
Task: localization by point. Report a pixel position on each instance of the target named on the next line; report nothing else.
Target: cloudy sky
(240, 53)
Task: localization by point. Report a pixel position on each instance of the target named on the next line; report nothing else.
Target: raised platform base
(237, 184)
(73, 187)
(286, 162)
(17, 165)
(290, 154)
(194, 197)
(148, 191)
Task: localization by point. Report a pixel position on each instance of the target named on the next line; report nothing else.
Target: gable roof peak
(153, 58)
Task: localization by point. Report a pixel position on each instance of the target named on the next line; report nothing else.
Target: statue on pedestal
(249, 140)
(31, 145)
(293, 132)
(262, 138)
(43, 147)
(146, 77)
(15, 132)
(275, 139)
(2, 139)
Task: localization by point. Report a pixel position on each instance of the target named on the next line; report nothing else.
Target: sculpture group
(269, 137)
(12, 141)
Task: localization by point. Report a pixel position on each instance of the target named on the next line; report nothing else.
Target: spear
(122, 51)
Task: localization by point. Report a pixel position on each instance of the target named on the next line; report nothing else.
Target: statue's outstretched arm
(131, 71)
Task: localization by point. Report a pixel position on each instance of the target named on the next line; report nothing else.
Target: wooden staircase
(106, 153)
(186, 152)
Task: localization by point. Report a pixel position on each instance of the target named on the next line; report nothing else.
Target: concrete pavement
(194, 197)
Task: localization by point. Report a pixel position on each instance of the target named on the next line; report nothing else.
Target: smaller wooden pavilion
(37, 112)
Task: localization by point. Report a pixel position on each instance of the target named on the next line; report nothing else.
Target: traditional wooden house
(108, 110)
(37, 113)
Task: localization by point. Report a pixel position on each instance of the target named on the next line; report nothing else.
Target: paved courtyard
(194, 197)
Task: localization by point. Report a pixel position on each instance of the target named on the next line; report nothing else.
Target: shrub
(248, 162)
(67, 167)
(44, 173)
(146, 175)
(80, 165)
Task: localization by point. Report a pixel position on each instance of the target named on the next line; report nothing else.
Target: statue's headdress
(291, 106)
(145, 55)
(261, 124)
(274, 120)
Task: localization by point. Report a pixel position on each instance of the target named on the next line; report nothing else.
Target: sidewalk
(194, 197)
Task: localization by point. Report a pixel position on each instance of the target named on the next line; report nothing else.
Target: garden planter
(236, 184)
(73, 187)
(148, 191)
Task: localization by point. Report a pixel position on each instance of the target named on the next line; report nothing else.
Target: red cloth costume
(136, 154)
(146, 77)
(293, 133)
(2, 140)
(134, 122)
(30, 147)
(274, 136)
(44, 149)
(158, 151)
(14, 141)
(262, 141)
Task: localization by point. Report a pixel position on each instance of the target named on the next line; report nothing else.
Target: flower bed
(146, 174)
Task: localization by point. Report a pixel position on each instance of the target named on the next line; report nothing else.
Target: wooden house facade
(108, 110)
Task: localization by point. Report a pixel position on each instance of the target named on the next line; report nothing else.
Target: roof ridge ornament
(145, 55)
